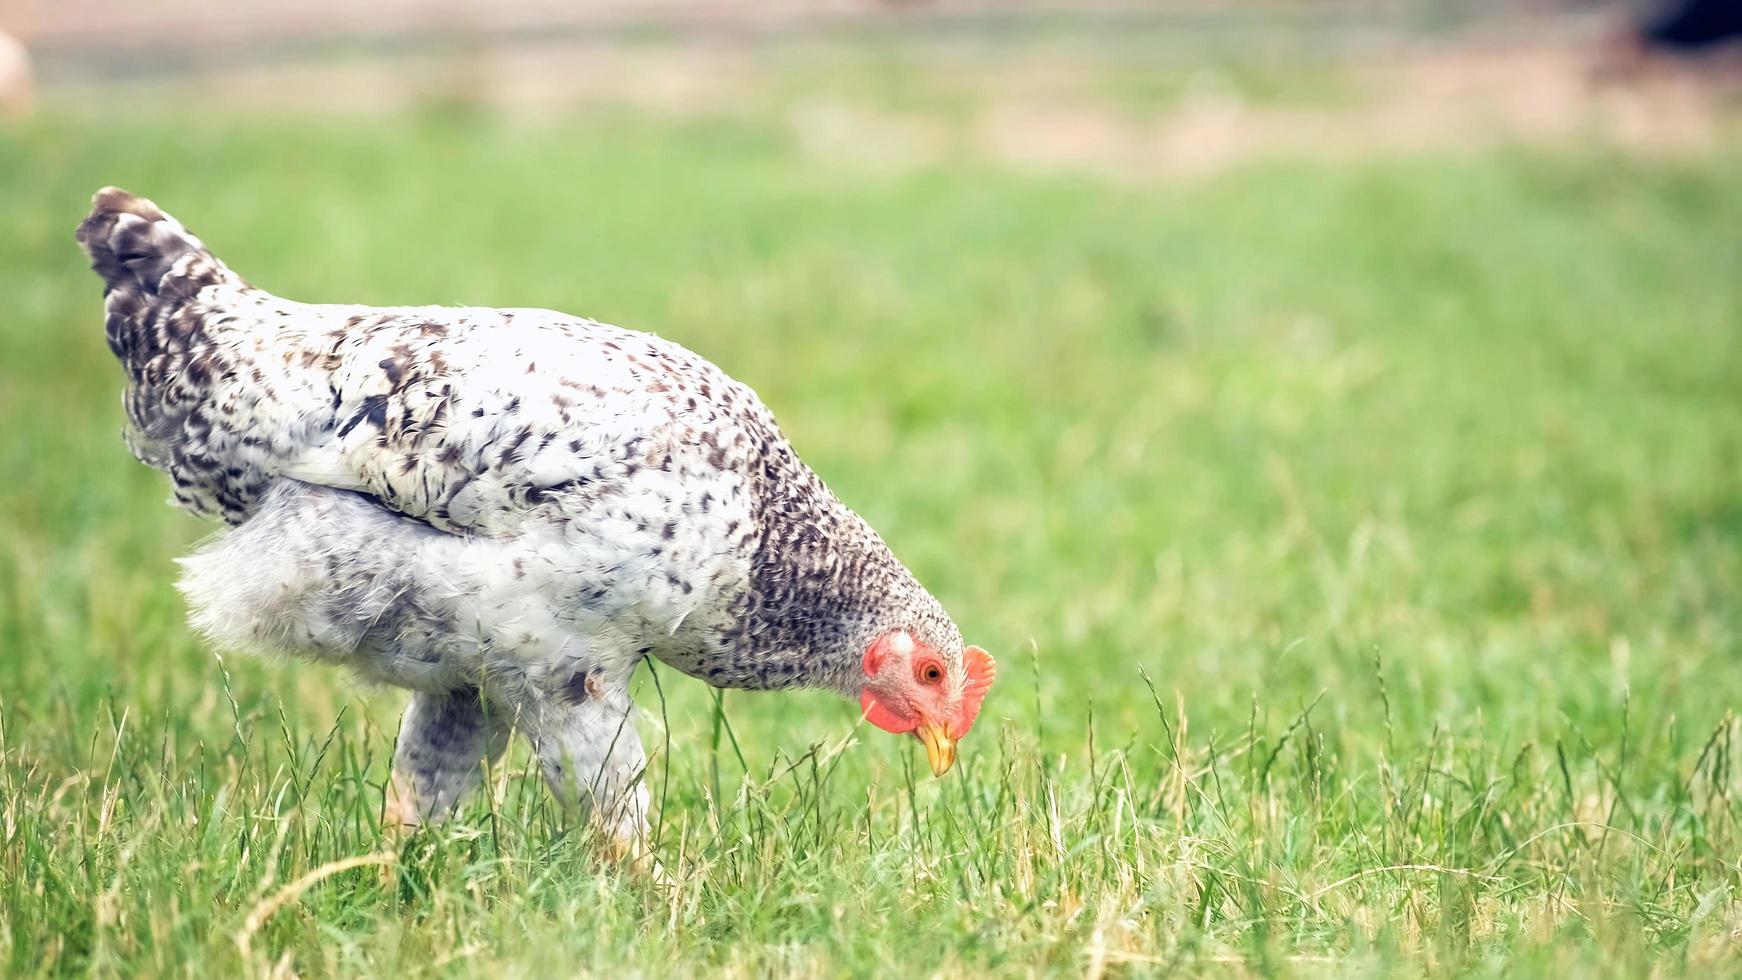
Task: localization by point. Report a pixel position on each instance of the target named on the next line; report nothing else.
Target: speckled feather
(511, 491)
(503, 511)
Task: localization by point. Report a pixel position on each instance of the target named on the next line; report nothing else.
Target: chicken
(503, 512)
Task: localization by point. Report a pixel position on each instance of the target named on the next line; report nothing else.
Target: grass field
(1361, 545)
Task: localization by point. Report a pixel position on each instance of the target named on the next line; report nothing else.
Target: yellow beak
(940, 748)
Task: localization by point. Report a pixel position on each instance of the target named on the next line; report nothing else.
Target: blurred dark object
(1680, 33)
(1693, 25)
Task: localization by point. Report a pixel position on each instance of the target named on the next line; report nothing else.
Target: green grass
(1415, 486)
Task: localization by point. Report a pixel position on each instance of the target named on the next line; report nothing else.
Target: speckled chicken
(504, 511)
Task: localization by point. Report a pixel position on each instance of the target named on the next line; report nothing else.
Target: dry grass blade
(270, 905)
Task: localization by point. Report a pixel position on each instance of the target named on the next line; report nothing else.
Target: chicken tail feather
(137, 248)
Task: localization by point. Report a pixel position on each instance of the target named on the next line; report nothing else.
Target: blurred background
(1162, 86)
(1366, 373)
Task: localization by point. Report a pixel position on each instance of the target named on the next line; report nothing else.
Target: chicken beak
(940, 748)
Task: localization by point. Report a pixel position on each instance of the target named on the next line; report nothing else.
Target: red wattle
(883, 718)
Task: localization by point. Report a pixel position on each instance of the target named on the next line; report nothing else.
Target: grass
(1361, 544)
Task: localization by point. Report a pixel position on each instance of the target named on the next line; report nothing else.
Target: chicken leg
(593, 760)
(443, 738)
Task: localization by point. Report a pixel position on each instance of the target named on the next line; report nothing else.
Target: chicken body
(502, 511)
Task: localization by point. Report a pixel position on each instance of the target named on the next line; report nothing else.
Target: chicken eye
(931, 673)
